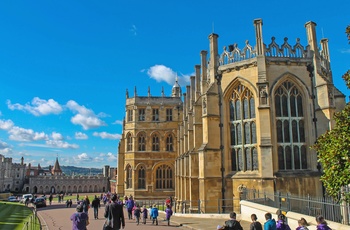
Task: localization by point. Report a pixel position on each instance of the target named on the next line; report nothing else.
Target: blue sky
(65, 65)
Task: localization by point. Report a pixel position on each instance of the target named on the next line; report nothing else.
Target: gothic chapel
(246, 121)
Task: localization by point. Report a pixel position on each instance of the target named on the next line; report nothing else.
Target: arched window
(164, 177)
(129, 142)
(169, 143)
(142, 178)
(244, 155)
(155, 143)
(142, 142)
(128, 177)
(290, 127)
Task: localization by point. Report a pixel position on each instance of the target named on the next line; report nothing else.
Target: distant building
(12, 175)
(54, 181)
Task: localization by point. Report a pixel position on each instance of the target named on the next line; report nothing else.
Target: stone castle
(246, 121)
(21, 178)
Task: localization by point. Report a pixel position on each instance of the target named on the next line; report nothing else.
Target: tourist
(70, 203)
(95, 204)
(137, 213)
(50, 198)
(270, 223)
(281, 223)
(86, 204)
(321, 223)
(129, 206)
(114, 212)
(255, 225)
(302, 224)
(154, 214)
(168, 213)
(77, 197)
(232, 223)
(80, 219)
(144, 214)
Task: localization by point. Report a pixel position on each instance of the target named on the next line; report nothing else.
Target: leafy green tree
(333, 149)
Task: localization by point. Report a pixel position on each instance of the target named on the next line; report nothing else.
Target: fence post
(219, 206)
(308, 205)
(199, 206)
(288, 199)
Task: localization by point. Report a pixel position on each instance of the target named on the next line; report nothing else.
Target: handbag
(107, 224)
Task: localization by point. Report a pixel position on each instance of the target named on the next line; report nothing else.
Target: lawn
(14, 216)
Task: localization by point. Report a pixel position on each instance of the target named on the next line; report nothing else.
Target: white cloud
(6, 124)
(37, 107)
(109, 157)
(21, 134)
(81, 136)
(5, 148)
(133, 30)
(345, 51)
(57, 136)
(162, 73)
(105, 135)
(118, 122)
(61, 144)
(84, 117)
(83, 157)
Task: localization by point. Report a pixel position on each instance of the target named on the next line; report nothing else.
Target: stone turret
(56, 170)
(176, 91)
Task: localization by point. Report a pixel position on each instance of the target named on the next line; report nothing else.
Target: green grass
(14, 216)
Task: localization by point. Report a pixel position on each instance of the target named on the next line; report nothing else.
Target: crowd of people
(114, 211)
(272, 224)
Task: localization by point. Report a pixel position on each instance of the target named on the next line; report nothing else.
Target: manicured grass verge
(14, 216)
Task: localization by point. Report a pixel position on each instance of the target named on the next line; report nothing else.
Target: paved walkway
(57, 217)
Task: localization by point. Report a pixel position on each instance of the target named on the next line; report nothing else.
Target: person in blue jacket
(270, 223)
(154, 214)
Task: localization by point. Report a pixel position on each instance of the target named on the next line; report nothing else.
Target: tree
(333, 149)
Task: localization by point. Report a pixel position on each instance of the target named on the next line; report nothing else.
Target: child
(137, 212)
(281, 223)
(154, 214)
(144, 214)
(168, 213)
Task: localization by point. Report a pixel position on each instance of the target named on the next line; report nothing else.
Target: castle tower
(176, 91)
(56, 170)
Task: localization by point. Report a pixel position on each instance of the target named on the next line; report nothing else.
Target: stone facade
(12, 175)
(148, 148)
(250, 117)
(247, 121)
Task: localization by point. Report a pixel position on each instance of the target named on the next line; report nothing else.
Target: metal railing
(33, 222)
(311, 206)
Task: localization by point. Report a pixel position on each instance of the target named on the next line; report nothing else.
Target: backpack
(257, 226)
(231, 225)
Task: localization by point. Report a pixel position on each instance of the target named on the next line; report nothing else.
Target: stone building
(148, 148)
(11, 175)
(250, 117)
(54, 181)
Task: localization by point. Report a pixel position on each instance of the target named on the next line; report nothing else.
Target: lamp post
(218, 78)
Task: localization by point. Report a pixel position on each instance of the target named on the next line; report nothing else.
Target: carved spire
(127, 93)
(149, 91)
(135, 92)
(163, 91)
(56, 170)
(176, 91)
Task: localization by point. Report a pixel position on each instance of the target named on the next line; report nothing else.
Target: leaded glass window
(155, 143)
(244, 155)
(129, 142)
(169, 143)
(290, 128)
(128, 177)
(142, 178)
(142, 142)
(164, 177)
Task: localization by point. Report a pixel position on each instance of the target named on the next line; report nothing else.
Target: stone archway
(35, 189)
(53, 190)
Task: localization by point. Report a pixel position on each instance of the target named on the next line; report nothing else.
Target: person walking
(321, 223)
(270, 223)
(137, 213)
(154, 214)
(144, 214)
(114, 213)
(255, 225)
(232, 223)
(281, 223)
(79, 219)
(86, 204)
(96, 205)
(129, 206)
(302, 224)
(168, 213)
(50, 198)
